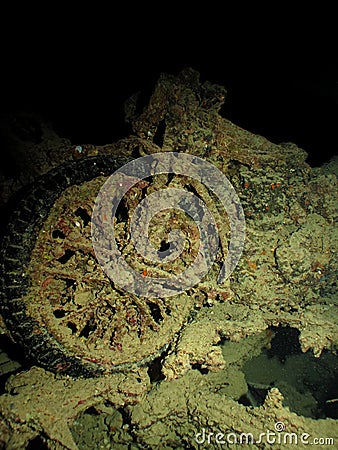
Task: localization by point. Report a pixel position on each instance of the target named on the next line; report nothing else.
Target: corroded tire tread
(17, 244)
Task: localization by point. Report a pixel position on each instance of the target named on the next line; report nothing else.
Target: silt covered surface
(193, 379)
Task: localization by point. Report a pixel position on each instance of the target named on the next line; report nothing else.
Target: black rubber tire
(17, 244)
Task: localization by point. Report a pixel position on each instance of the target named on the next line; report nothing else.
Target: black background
(281, 78)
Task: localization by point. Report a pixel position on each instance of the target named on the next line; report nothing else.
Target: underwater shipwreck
(137, 350)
